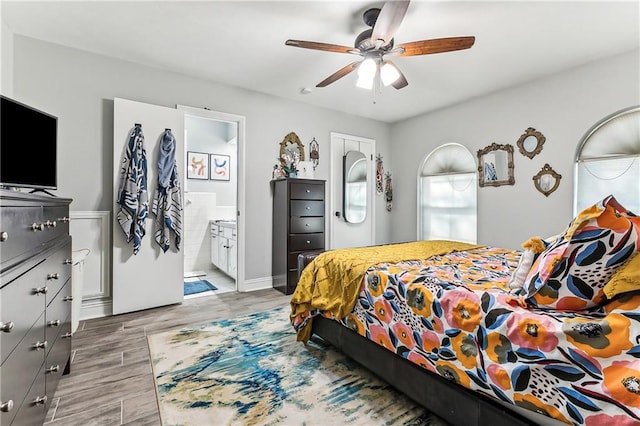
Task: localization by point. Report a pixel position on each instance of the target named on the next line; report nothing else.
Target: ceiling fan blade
(388, 22)
(339, 74)
(436, 45)
(326, 47)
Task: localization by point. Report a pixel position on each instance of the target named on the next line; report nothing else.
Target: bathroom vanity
(223, 246)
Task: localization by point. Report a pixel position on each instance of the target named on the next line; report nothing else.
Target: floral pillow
(572, 272)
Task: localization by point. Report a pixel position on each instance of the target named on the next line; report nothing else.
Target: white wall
(563, 107)
(211, 136)
(79, 88)
(6, 60)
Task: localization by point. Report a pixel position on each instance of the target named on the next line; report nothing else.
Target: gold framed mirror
(495, 165)
(530, 142)
(291, 147)
(547, 180)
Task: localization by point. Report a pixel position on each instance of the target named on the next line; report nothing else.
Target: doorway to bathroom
(210, 202)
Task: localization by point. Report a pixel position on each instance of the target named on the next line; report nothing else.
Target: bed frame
(453, 403)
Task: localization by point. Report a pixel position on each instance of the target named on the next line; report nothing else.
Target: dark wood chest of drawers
(35, 303)
(298, 226)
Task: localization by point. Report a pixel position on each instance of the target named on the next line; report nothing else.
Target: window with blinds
(608, 162)
(447, 195)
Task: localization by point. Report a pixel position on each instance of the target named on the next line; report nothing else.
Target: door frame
(241, 179)
(335, 171)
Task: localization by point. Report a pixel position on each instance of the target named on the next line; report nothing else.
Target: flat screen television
(28, 144)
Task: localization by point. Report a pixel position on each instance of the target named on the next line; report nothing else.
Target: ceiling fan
(377, 42)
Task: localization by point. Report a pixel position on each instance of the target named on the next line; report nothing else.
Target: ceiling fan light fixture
(365, 83)
(367, 69)
(389, 73)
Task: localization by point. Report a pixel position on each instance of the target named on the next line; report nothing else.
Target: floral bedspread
(453, 315)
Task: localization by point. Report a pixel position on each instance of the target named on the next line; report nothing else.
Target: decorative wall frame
(547, 180)
(530, 142)
(291, 146)
(219, 167)
(197, 165)
(495, 165)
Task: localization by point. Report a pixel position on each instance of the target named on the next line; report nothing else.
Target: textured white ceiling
(241, 43)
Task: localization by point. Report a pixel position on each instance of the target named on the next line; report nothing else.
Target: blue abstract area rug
(251, 371)
(200, 286)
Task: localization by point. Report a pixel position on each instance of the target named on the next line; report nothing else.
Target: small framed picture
(220, 167)
(197, 165)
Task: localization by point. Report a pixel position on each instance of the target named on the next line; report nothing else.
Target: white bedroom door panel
(342, 233)
(150, 278)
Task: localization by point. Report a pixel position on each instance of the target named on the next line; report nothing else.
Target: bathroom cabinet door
(215, 257)
(223, 253)
(231, 261)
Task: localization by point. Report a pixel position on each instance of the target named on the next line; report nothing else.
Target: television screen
(27, 146)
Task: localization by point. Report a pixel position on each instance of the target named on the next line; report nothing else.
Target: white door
(342, 233)
(150, 278)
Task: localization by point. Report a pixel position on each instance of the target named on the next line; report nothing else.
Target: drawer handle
(40, 400)
(308, 242)
(37, 227)
(40, 345)
(307, 208)
(64, 219)
(307, 191)
(5, 407)
(55, 276)
(41, 290)
(50, 224)
(67, 335)
(67, 298)
(53, 369)
(4, 236)
(306, 224)
(6, 326)
(54, 323)
(67, 262)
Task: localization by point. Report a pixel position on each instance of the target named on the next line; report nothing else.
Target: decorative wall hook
(388, 191)
(314, 153)
(379, 174)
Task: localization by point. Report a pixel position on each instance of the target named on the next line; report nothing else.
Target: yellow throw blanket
(331, 282)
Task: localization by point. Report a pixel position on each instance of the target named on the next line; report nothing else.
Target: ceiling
(241, 43)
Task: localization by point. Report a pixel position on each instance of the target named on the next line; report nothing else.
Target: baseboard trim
(256, 284)
(96, 309)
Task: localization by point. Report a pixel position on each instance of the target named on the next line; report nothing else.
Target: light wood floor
(111, 381)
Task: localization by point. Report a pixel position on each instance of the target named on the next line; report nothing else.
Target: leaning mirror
(354, 191)
(547, 180)
(495, 165)
(530, 142)
(291, 150)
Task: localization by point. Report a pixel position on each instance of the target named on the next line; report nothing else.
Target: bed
(486, 335)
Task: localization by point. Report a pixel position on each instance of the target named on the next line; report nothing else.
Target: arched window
(608, 162)
(447, 195)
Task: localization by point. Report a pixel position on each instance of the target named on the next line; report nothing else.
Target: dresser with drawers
(298, 226)
(35, 303)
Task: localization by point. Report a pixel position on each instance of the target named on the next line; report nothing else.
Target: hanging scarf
(133, 198)
(167, 199)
